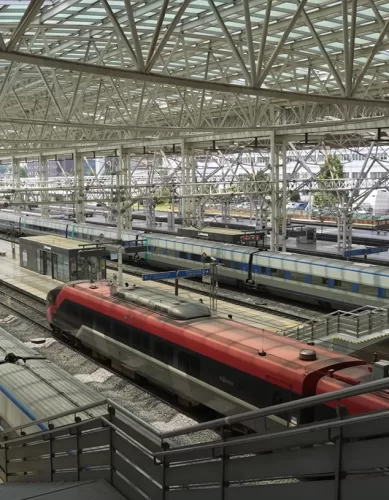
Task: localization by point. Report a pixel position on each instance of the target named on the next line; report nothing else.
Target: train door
(54, 266)
(43, 262)
(49, 270)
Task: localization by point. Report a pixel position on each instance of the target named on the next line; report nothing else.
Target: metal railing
(346, 456)
(357, 323)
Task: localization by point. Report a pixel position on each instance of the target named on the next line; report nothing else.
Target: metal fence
(358, 323)
(340, 459)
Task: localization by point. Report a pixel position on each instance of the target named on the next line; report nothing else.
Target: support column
(226, 210)
(171, 222)
(273, 205)
(80, 193)
(183, 201)
(261, 215)
(191, 178)
(127, 180)
(16, 173)
(149, 205)
(345, 229)
(283, 198)
(119, 170)
(44, 180)
(16, 183)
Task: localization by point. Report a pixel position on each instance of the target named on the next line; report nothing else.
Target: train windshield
(52, 295)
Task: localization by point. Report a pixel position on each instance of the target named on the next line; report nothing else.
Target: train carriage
(327, 282)
(223, 364)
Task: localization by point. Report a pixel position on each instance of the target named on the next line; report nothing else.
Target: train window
(86, 317)
(103, 324)
(189, 364)
(71, 311)
(195, 257)
(141, 342)
(164, 352)
(121, 332)
(277, 398)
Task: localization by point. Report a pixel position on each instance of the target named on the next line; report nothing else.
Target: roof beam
(28, 16)
(57, 9)
(127, 74)
(119, 32)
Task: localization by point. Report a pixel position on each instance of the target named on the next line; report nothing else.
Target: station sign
(248, 238)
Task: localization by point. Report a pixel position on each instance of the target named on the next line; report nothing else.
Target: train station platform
(39, 285)
(330, 249)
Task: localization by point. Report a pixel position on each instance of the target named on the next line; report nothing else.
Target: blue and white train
(327, 282)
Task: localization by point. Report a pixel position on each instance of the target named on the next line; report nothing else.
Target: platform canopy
(80, 72)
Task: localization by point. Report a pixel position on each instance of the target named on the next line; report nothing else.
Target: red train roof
(363, 403)
(226, 341)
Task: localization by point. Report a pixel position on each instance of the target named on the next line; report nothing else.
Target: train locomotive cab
(350, 376)
(51, 302)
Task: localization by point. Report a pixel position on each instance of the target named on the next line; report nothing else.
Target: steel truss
(76, 73)
(191, 180)
(161, 83)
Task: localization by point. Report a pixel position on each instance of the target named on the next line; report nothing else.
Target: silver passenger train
(326, 282)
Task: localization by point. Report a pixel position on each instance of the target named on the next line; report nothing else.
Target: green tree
(23, 172)
(294, 196)
(332, 168)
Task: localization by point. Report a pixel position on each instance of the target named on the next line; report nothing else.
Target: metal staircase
(342, 459)
(344, 331)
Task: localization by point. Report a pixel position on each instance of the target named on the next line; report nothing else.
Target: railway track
(198, 288)
(33, 313)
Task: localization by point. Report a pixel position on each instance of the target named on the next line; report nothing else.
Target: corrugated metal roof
(41, 386)
(56, 241)
(8, 343)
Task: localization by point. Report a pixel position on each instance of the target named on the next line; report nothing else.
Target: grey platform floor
(88, 490)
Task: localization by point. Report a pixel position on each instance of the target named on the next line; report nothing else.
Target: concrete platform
(330, 248)
(87, 490)
(12, 273)
(39, 285)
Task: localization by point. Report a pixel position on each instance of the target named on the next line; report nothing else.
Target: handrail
(63, 414)
(368, 387)
(81, 409)
(332, 424)
(40, 434)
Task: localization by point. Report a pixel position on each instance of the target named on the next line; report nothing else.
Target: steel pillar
(199, 212)
(149, 206)
(258, 210)
(119, 183)
(226, 210)
(127, 179)
(191, 176)
(16, 180)
(183, 201)
(261, 216)
(80, 191)
(273, 194)
(345, 229)
(44, 178)
(283, 198)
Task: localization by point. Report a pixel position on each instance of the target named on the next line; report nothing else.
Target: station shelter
(62, 259)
